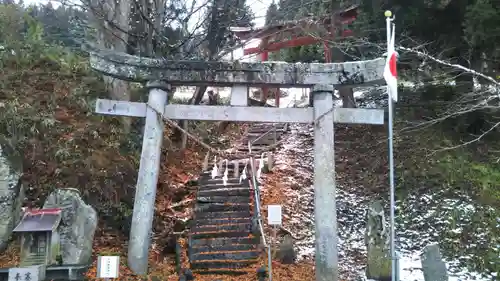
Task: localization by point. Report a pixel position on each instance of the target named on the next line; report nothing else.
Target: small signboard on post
(108, 267)
(274, 214)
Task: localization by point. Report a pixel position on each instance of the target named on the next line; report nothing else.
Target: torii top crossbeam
(220, 73)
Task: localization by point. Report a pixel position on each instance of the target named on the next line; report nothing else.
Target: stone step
(230, 169)
(208, 175)
(243, 191)
(253, 147)
(258, 134)
(269, 135)
(208, 222)
(268, 125)
(254, 150)
(221, 264)
(227, 186)
(226, 248)
(231, 272)
(236, 227)
(204, 179)
(232, 182)
(219, 234)
(222, 242)
(262, 141)
(221, 207)
(222, 215)
(233, 256)
(223, 199)
(261, 131)
(218, 180)
(263, 124)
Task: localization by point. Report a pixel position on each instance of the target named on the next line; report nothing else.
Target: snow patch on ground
(430, 218)
(421, 219)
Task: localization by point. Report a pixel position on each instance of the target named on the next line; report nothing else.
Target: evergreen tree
(221, 15)
(272, 14)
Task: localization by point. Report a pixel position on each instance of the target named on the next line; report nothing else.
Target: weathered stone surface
(221, 242)
(233, 256)
(433, 265)
(141, 69)
(30, 273)
(11, 193)
(230, 248)
(221, 264)
(377, 239)
(77, 227)
(286, 253)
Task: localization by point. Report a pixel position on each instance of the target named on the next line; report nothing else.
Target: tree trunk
(111, 22)
(194, 100)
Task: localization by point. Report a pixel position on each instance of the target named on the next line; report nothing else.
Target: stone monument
(377, 239)
(433, 265)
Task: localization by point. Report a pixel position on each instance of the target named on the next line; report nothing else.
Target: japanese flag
(390, 72)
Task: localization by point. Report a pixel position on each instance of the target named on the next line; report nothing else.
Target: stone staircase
(224, 236)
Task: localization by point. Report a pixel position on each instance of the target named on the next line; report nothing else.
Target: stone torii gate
(161, 74)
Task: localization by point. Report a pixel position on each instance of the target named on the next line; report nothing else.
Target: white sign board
(108, 266)
(274, 214)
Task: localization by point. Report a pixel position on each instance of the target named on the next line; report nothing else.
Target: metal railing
(257, 210)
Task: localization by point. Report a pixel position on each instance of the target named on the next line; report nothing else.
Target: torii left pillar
(144, 204)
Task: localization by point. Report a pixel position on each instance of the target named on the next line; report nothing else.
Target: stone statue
(77, 227)
(433, 265)
(286, 253)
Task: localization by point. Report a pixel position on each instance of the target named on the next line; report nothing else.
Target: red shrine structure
(291, 34)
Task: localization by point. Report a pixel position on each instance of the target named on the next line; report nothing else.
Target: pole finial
(388, 14)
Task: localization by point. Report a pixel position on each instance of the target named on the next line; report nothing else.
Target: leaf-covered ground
(46, 112)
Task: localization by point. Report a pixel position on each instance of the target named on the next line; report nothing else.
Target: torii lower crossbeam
(238, 113)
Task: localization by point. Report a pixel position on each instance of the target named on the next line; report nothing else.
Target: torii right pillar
(325, 207)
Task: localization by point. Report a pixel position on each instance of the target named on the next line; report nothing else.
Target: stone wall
(11, 192)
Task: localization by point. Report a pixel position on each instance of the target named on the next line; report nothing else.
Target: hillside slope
(46, 112)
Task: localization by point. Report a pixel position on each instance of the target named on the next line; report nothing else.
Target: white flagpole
(388, 21)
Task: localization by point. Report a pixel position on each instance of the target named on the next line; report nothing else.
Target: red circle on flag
(392, 65)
